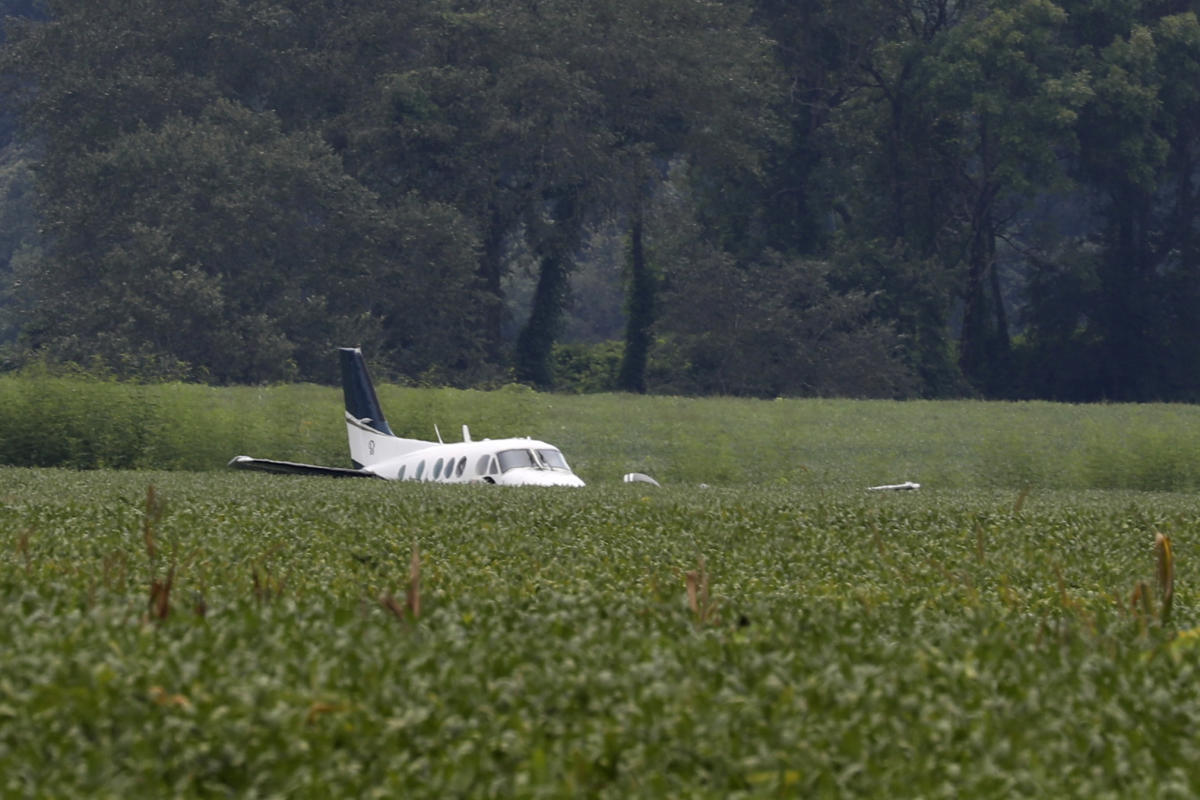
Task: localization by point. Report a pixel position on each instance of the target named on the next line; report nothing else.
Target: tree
(190, 234)
(206, 248)
(1003, 84)
(766, 327)
(1120, 297)
(958, 118)
(642, 295)
(18, 230)
(823, 50)
(776, 328)
(542, 120)
(887, 174)
(687, 89)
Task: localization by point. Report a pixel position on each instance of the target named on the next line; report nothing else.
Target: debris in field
(907, 486)
(640, 477)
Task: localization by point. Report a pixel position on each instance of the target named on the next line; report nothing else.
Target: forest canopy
(873, 198)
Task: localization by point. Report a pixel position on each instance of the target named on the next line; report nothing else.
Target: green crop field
(1011, 630)
(86, 423)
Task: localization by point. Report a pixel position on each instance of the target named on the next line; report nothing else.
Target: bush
(773, 329)
(78, 422)
(587, 368)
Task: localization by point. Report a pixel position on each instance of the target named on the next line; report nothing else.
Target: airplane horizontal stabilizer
(293, 468)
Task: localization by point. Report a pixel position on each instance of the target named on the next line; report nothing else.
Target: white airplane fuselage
(377, 452)
(504, 462)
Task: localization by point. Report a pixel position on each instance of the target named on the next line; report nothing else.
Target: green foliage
(873, 199)
(587, 368)
(73, 422)
(59, 420)
(1118, 298)
(247, 256)
(940, 644)
(196, 228)
(774, 328)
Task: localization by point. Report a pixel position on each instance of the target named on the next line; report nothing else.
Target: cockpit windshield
(553, 459)
(511, 459)
(547, 458)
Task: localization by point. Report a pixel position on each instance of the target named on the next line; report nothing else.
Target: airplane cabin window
(437, 469)
(400, 474)
(462, 464)
(481, 467)
(420, 470)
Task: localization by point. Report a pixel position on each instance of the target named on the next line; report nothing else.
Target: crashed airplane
(377, 452)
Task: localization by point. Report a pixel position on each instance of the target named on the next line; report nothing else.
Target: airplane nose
(539, 477)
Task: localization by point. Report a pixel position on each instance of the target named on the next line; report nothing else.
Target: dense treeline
(869, 198)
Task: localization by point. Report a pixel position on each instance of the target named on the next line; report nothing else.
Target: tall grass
(51, 421)
(90, 423)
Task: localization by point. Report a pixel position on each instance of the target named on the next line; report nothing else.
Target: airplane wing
(293, 468)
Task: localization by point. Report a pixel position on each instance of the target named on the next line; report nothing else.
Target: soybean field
(210, 634)
(1025, 625)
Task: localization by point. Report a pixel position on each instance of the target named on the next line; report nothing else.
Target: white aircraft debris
(907, 486)
(640, 477)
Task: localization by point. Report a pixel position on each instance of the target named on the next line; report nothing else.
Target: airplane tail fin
(371, 439)
(361, 402)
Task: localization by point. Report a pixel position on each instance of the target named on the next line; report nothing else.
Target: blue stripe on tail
(361, 401)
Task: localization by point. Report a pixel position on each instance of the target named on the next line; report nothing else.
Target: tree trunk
(491, 268)
(1125, 316)
(984, 343)
(535, 344)
(556, 240)
(642, 287)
